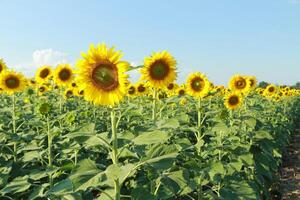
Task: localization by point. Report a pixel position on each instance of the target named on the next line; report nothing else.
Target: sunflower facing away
(63, 75)
(239, 84)
(12, 82)
(43, 74)
(159, 69)
(252, 82)
(233, 100)
(102, 75)
(197, 85)
(3, 66)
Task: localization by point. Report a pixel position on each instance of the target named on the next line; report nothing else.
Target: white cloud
(48, 57)
(39, 58)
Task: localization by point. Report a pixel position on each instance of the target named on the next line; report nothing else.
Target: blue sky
(218, 37)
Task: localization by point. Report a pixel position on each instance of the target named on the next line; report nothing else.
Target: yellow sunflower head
(42, 89)
(197, 85)
(12, 82)
(240, 84)
(68, 93)
(131, 91)
(252, 82)
(233, 100)
(43, 74)
(159, 69)
(270, 90)
(141, 88)
(3, 66)
(63, 75)
(181, 91)
(102, 75)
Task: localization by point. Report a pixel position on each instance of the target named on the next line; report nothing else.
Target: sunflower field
(86, 132)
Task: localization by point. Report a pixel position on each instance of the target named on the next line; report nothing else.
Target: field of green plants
(58, 145)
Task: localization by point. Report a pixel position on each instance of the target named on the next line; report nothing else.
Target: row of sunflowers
(89, 133)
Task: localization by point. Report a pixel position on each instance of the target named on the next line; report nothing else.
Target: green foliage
(232, 155)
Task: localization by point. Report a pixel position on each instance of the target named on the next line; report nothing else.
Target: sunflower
(42, 89)
(239, 84)
(181, 91)
(63, 75)
(102, 75)
(159, 69)
(270, 90)
(197, 85)
(131, 91)
(252, 82)
(12, 82)
(3, 66)
(233, 100)
(43, 74)
(69, 92)
(141, 88)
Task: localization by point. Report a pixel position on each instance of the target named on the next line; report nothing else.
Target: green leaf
(169, 123)
(19, 184)
(85, 175)
(152, 137)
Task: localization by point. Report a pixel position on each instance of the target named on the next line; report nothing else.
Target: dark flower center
(141, 88)
(44, 73)
(131, 90)
(12, 82)
(105, 76)
(159, 70)
(240, 83)
(197, 84)
(233, 100)
(64, 74)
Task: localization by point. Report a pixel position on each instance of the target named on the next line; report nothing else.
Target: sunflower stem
(49, 150)
(60, 100)
(14, 126)
(115, 151)
(199, 118)
(154, 106)
(114, 136)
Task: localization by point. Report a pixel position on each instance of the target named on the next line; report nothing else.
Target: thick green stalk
(114, 136)
(115, 151)
(117, 190)
(49, 149)
(154, 106)
(199, 118)
(14, 125)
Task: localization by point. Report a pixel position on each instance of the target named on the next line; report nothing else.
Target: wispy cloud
(39, 58)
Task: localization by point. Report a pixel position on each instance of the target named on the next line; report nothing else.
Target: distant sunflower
(42, 89)
(181, 91)
(159, 69)
(12, 82)
(69, 92)
(141, 88)
(270, 90)
(63, 75)
(239, 84)
(233, 101)
(197, 85)
(252, 82)
(102, 75)
(43, 74)
(3, 66)
(131, 90)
